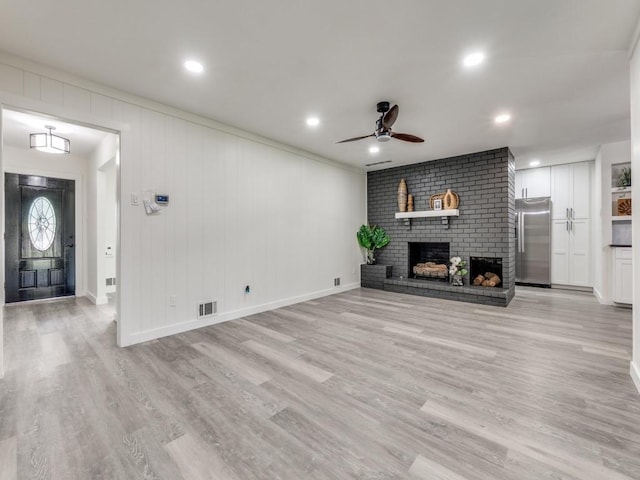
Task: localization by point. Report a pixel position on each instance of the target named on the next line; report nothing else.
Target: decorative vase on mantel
(402, 196)
(457, 280)
(450, 200)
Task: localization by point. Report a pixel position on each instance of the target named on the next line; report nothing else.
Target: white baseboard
(96, 300)
(139, 337)
(635, 375)
(600, 298)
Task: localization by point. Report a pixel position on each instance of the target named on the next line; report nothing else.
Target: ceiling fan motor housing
(383, 107)
(383, 136)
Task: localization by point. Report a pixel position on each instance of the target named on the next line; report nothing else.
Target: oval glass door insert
(42, 224)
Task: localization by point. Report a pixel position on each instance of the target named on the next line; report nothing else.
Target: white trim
(635, 375)
(600, 298)
(96, 300)
(635, 39)
(156, 333)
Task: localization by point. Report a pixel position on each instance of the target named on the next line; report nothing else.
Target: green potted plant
(371, 238)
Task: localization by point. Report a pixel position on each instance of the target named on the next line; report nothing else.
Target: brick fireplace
(485, 182)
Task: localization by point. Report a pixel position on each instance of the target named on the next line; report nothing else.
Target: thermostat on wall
(162, 199)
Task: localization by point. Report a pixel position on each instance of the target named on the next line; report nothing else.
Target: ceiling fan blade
(390, 117)
(356, 138)
(406, 137)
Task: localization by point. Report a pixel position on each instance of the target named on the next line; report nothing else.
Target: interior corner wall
(635, 192)
(72, 167)
(603, 258)
(105, 152)
(243, 210)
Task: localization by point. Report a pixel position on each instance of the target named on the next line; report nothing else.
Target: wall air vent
(377, 163)
(207, 309)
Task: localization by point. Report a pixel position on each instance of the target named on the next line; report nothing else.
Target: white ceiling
(560, 67)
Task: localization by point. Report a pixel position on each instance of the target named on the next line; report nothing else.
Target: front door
(39, 237)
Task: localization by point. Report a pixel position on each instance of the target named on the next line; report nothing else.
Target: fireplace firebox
(428, 260)
(482, 265)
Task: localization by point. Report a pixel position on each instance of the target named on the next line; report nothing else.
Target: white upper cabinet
(535, 182)
(571, 190)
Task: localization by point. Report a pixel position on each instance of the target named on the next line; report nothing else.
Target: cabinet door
(581, 190)
(623, 281)
(580, 253)
(560, 252)
(560, 191)
(519, 187)
(537, 182)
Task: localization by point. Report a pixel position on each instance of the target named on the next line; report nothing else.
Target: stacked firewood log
(487, 280)
(430, 269)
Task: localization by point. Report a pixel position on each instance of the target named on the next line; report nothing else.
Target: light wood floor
(360, 385)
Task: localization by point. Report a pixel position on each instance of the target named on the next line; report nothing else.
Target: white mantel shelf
(429, 213)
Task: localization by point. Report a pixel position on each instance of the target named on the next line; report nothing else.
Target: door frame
(20, 103)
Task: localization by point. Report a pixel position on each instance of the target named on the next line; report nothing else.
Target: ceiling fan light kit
(383, 132)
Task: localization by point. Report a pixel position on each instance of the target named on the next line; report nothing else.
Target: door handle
(572, 216)
(567, 214)
(567, 226)
(70, 245)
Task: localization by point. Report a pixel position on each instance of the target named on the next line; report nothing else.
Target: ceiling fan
(383, 131)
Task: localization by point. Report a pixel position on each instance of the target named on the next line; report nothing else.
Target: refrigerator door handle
(567, 215)
(522, 232)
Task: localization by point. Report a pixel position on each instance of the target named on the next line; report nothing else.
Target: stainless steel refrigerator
(533, 241)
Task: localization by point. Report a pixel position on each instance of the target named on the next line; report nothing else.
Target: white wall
(101, 194)
(244, 210)
(603, 255)
(72, 167)
(635, 191)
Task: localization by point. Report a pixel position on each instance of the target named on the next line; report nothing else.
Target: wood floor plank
(287, 362)
(425, 469)
(234, 361)
(9, 459)
(197, 462)
(362, 384)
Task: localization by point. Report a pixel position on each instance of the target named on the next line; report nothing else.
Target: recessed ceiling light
(473, 59)
(534, 163)
(313, 121)
(193, 66)
(374, 149)
(503, 118)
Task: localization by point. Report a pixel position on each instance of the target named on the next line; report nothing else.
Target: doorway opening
(77, 242)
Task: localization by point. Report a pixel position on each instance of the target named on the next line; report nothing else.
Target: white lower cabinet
(623, 276)
(571, 252)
